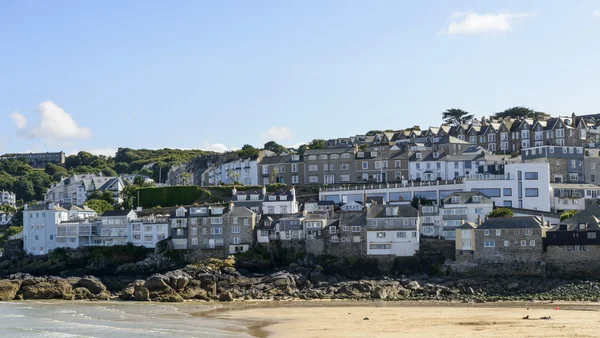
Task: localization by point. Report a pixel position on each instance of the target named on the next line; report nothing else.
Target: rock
(513, 286)
(413, 285)
(208, 282)
(93, 284)
(127, 293)
(157, 282)
(141, 294)
(9, 289)
(229, 270)
(194, 290)
(82, 293)
(316, 277)
(46, 288)
(226, 297)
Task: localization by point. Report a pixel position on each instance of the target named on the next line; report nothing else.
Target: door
(211, 243)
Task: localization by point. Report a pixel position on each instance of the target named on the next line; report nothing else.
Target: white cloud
(19, 119)
(217, 147)
(277, 134)
(55, 126)
(474, 23)
(597, 14)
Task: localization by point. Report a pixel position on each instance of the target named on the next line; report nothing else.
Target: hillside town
(379, 196)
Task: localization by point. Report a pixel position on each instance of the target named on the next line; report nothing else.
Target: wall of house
(399, 246)
(349, 247)
(512, 253)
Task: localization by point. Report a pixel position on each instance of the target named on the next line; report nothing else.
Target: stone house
(329, 165)
(392, 230)
(576, 239)
(267, 229)
(566, 163)
(286, 169)
(381, 164)
(465, 243)
(591, 166)
(347, 237)
(179, 228)
(512, 239)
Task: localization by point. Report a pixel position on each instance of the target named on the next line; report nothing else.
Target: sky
(214, 75)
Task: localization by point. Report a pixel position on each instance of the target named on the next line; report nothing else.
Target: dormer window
(283, 198)
(418, 155)
(254, 197)
(476, 199)
(241, 197)
(272, 198)
(455, 199)
(582, 226)
(436, 154)
(295, 157)
(217, 211)
(391, 211)
(373, 154)
(360, 154)
(203, 210)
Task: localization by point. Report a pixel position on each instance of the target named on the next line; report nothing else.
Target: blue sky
(84, 75)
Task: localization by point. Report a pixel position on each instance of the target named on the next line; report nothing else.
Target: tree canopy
(317, 144)
(520, 111)
(456, 116)
(99, 206)
(567, 214)
(501, 212)
(246, 151)
(275, 147)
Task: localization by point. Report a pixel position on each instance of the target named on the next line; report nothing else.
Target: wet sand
(341, 319)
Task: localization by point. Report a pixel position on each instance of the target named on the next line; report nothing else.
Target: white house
(114, 227)
(461, 207)
(282, 202)
(148, 232)
(39, 227)
(352, 206)
(75, 189)
(81, 212)
(392, 230)
(7, 197)
(523, 186)
(5, 218)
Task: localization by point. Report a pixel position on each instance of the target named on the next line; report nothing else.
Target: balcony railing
(406, 184)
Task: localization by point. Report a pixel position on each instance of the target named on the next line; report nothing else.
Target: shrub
(567, 214)
(501, 212)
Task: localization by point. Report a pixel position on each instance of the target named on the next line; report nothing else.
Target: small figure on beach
(526, 317)
(546, 317)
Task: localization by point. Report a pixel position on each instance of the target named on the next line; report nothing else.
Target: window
(246, 221)
(295, 157)
(528, 232)
(573, 176)
(313, 167)
(235, 220)
(179, 232)
(414, 234)
(593, 178)
(52, 237)
(345, 155)
(235, 230)
(204, 231)
(516, 231)
(237, 240)
(506, 243)
(216, 231)
(356, 239)
(531, 175)
(344, 166)
(374, 222)
(531, 192)
(591, 235)
(334, 239)
(365, 165)
(345, 178)
(360, 154)
(381, 234)
(498, 232)
(374, 246)
(489, 192)
(397, 163)
(332, 230)
(486, 232)
(334, 156)
(489, 244)
(323, 157)
(355, 228)
(194, 231)
(532, 242)
(313, 179)
(401, 234)
(523, 242)
(194, 241)
(294, 179)
(507, 191)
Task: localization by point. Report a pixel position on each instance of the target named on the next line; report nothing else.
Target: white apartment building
(461, 207)
(75, 189)
(148, 232)
(7, 197)
(282, 202)
(39, 227)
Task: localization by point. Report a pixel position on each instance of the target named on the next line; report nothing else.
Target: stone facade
(508, 245)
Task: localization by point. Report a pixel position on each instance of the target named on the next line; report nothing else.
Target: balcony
(487, 177)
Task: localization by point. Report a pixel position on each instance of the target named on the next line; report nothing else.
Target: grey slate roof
(404, 210)
(353, 218)
(466, 197)
(468, 226)
(116, 213)
(528, 222)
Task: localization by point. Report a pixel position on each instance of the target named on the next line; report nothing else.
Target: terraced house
(329, 165)
(286, 169)
(219, 230)
(392, 230)
(381, 164)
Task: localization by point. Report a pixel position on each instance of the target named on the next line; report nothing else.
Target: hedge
(170, 196)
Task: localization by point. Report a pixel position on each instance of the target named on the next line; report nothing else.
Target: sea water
(111, 319)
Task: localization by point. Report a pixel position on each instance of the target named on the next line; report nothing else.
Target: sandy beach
(418, 320)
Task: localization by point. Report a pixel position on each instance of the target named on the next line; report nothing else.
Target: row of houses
(49, 226)
(530, 239)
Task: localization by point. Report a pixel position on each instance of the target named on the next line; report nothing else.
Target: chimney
(548, 223)
(25, 206)
(304, 212)
(264, 190)
(231, 205)
(462, 221)
(478, 219)
(293, 191)
(573, 118)
(542, 220)
(233, 191)
(483, 121)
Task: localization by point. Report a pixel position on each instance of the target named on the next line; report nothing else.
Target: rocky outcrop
(25, 286)
(9, 289)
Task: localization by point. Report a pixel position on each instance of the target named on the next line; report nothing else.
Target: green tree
(420, 200)
(55, 171)
(520, 111)
(317, 144)
(106, 171)
(122, 167)
(374, 132)
(456, 116)
(500, 212)
(302, 148)
(275, 147)
(17, 219)
(100, 206)
(567, 214)
(247, 151)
